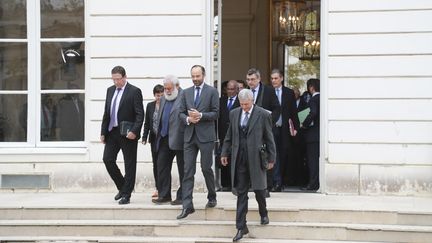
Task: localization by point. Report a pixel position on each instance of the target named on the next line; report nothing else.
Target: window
(42, 89)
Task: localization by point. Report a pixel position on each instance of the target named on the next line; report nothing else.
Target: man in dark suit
(311, 124)
(169, 141)
(123, 103)
(299, 145)
(199, 111)
(284, 130)
(151, 126)
(265, 97)
(226, 104)
(250, 128)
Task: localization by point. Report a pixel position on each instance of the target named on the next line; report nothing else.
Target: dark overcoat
(259, 133)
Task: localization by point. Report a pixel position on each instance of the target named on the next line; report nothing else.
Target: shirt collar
(249, 112)
(124, 86)
(257, 88)
(201, 86)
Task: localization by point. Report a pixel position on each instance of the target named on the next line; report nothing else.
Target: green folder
(303, 114)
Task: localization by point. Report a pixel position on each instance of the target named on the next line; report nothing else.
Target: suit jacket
(288, 110)
(148, 123)
(176, 128)
(268, 100)
(130, 109)
(312, 121)
(302, 105)
(259, 132)
(208, 105)
(223, 121)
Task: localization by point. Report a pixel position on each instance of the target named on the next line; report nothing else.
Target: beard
(172, 96)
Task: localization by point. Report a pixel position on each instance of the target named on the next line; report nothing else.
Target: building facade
(376, 130)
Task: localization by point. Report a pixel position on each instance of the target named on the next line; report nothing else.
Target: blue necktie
(230, 103)
(165, 118)
(197, 97)
(278, 94)
(245, 120)
(113, 115)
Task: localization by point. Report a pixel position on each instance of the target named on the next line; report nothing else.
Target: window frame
(34, 72)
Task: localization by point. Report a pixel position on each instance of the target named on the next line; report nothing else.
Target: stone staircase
(294, 217)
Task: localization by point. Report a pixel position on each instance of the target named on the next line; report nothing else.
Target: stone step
(168, 212)
(218, 229)
(150, 239)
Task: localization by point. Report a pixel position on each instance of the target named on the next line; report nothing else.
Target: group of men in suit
(258, 122)
(197, 108)
(282, 103)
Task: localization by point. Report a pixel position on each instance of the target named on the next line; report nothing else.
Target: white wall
(150, 39)
(378, 97)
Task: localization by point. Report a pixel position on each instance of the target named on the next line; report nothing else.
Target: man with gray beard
(169, 141)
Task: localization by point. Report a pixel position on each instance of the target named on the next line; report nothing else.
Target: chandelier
(288, 20)
(297, 23)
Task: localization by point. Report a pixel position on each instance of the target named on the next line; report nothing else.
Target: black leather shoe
(240, 234)
(177, 202)
(265, 220)
(185, 212)
(161, 200)
(211, 203)
(124, 200)
(310, 188)
(118, 196)
(267, 193)
(277, 188)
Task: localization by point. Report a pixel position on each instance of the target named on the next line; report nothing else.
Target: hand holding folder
(303, 114)
(125, 127)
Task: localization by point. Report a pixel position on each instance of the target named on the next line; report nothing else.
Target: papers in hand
(303, 114)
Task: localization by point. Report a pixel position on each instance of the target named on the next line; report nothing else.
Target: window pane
(62, 65)
(62, 18)
(13, 66)
(62, 117)
(13, 117)
(299, 71)
(13, 19)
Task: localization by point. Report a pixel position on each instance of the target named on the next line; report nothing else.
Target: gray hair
(171, 79)
(245, 94)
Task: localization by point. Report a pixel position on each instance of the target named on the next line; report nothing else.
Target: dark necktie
(253, 92)
(165, 118)
(197, 97)
(230, 103)
(113, 114)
